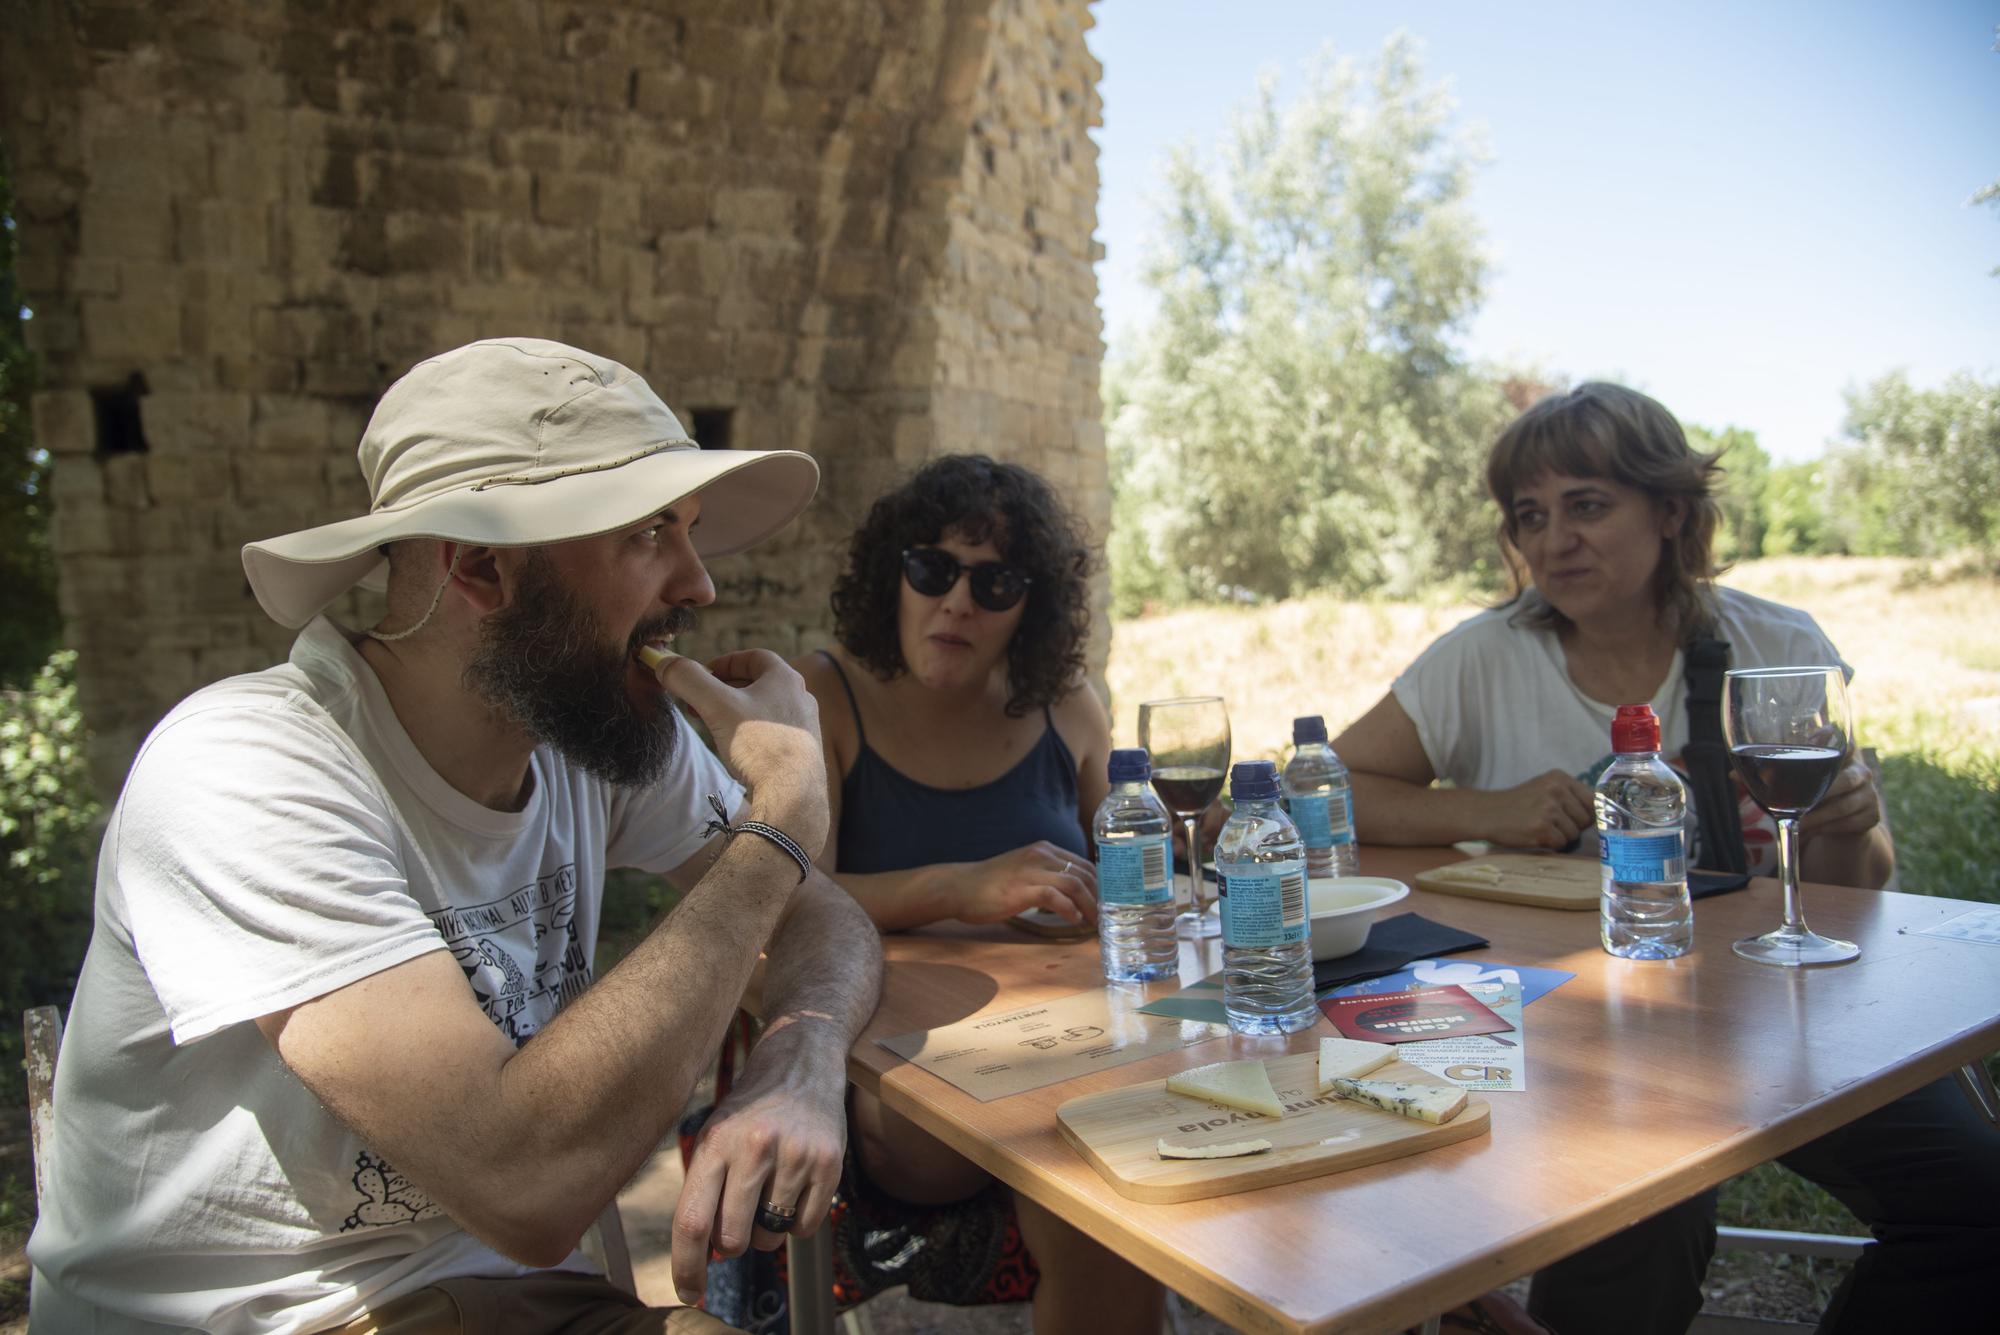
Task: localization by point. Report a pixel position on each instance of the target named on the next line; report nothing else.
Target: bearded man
(339, 897)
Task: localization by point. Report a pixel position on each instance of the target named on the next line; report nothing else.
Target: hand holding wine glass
(1188, 739)
(1789, 732)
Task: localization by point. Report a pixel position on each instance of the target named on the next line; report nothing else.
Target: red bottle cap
(1635, 729)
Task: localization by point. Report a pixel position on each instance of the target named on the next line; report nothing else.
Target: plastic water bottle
(1320, 802)
(1267, 970)
(1135, 861)
(1643, 909)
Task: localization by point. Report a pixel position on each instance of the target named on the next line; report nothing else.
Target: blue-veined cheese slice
(1244, 1084)
(1426, 1103)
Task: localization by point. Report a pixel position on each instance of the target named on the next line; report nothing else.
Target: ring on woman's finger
(776, 1218)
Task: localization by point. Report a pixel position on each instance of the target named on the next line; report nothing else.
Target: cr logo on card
(1470, 1074)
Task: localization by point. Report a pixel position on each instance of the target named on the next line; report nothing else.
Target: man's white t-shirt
(1494, 704)
(279, 837)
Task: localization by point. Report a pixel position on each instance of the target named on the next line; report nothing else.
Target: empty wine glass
(1188, 739)
(1789, 734)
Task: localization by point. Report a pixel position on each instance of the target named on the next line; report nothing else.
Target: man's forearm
(825, 963)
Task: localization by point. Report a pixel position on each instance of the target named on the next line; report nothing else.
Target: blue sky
(1742, 209)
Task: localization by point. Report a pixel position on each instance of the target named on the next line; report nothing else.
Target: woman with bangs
(965, 757)
(1607, 523)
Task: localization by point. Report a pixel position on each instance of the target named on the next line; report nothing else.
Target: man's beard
(546, 662)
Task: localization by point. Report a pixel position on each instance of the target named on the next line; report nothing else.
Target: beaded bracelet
(721, 825)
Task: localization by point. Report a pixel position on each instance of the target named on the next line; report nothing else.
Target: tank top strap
(861, 733)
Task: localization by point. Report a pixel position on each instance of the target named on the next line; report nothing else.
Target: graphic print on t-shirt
(387, 1197)
(520, 952)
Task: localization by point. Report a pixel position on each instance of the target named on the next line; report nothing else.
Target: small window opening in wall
(116, 410)
(710, 427)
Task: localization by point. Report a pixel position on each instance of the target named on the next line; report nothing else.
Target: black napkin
(1702, 884)
(1393, 943)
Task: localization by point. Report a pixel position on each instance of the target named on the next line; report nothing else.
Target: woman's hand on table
(1851, 806)
(1040, 875)
(1548, 811)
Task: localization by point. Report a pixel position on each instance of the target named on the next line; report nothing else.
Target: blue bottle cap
(1253, 781)
(1131, 764)
(1312, 728)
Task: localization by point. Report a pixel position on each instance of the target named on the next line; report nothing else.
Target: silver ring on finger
(776, 1218)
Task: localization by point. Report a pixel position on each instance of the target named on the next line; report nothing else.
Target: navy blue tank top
(890, 822)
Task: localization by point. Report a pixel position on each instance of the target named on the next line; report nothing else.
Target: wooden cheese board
(1519, 878)
(1118, 1133)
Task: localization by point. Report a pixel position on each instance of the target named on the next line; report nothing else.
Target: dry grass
(1925, 646)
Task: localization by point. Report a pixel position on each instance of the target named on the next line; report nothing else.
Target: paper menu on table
(992, 1056)
(1486, 1062)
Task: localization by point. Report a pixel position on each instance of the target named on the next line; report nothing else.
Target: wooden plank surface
(1523, 878)
(1648, 1081)
(1117, 1131)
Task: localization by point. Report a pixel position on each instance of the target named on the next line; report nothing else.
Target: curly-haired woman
(965, 756)
(965, 753)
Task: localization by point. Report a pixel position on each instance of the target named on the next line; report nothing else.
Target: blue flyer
(1534, 983)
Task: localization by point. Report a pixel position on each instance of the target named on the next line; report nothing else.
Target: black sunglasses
(996, 586)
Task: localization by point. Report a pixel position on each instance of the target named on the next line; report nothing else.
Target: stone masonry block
(63, 422)
(125, 482)
(186, 479)
(578, 199)
(289, 423)
(754, 210)
(182, 423)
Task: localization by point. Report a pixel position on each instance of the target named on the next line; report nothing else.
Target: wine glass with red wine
(1789, 733)
(1188, 739)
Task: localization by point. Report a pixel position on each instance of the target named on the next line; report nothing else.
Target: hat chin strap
(430, 611)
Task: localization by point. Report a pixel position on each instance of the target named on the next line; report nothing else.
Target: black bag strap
(1706, 756)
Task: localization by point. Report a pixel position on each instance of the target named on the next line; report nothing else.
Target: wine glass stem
(1788, 873)
(1194, 865)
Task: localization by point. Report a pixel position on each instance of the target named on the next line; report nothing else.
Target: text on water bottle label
(1643, 857)
(1263, 903)
(1134, 871)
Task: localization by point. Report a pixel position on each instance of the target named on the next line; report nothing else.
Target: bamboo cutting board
(1118, 1132)
(1519, 878)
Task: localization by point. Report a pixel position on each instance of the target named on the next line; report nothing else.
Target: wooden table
(1648, 1081)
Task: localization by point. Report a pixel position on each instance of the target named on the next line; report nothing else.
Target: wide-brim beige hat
(515, 442)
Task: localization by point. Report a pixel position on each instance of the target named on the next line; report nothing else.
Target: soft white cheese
(1235, 1149)
(1350, 1057)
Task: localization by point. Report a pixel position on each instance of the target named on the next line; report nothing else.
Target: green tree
(29, 628)
(1921, 475)
(1297, 415)
(1742, 497)
(1794, 511)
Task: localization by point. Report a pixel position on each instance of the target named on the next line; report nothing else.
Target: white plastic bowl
(1343, 908)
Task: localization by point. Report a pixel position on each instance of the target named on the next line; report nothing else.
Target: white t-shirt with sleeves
(279, 837)
(1494, 705)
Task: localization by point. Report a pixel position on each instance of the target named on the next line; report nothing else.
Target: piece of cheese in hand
(1426, 1103)
(1245, 1085)
(1235, 1149)
(1350, 1057)
(653, 657)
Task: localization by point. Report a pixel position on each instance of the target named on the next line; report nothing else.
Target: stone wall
(855, 227)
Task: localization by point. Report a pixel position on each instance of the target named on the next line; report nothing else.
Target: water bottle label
(1311, 812)
(1643, 857)
(1135, 871)
(1263, 903)
(1344, 832)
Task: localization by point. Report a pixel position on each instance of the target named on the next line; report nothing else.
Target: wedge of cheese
(1235, 1149)
(1426, 1103)
(653, 657)
(1245, 1085)
(1350, 1057)
(1474, 873)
